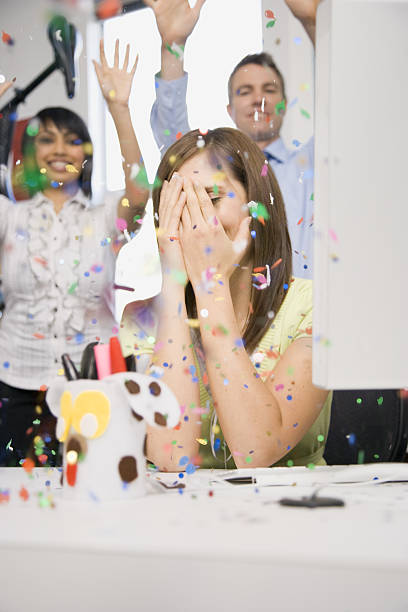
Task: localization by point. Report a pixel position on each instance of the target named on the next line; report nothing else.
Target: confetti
(304, 113)
(108, 8)
(6, 38)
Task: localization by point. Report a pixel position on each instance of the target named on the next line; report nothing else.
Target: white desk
(237, 550)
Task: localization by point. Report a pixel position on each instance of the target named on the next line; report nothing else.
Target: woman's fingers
(171, 204)
(116, 56)
(206, 206)
(193, 204)
(102, 55)
(126, 60)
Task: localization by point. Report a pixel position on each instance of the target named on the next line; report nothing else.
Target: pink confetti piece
(121, 224)
(333, 235)
(264, 170)
(279, 387)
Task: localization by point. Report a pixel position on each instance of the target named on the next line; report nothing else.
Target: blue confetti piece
(289, 397)
(285, 286)
(253, 233)
(231, 194)
(79, 338)
(217, 444)
(352, 439)
(86, 274)
(184, 460)
(6, 364)
(190, 468)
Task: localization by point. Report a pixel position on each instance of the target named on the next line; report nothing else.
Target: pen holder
(102, 425)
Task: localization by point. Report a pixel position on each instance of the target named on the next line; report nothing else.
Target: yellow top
(293, 321)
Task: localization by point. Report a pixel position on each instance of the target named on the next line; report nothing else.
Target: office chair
(367, 426)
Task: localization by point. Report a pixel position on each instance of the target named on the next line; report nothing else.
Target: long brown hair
(239, 155)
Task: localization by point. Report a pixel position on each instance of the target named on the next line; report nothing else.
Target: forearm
(136, 195)
(310, 27)
(248, 413)
(174, 356)
(172, 61)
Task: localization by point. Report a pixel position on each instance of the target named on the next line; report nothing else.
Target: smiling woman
(58, 257)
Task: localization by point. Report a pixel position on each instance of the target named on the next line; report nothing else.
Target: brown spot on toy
(155, 389)
(137, 416)
(132, 387)
(160, 419)
(128, 468)
(145, 446)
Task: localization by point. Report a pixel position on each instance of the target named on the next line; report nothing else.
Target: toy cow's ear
(53, 395)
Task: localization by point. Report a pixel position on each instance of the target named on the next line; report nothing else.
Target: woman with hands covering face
(231, 330)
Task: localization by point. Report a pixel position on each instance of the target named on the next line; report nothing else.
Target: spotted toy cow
(102, 424)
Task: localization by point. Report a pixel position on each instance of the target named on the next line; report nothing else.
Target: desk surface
(224, 546)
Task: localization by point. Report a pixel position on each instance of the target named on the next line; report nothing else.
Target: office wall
(292, 51)
(26, 21)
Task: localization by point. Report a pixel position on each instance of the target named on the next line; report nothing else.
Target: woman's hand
(206, 248)
(172, 201)
(115, 82)
(175, 19)
(5, 86)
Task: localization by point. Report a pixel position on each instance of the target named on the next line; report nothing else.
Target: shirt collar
(278, 150)
(79, 198)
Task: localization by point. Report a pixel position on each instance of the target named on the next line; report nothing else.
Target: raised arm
(175, 22)
(173, 352)
(305, 11)
(116, 83)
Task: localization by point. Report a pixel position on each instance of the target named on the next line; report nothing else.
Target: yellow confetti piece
(125, 202)
(43, 171)
(60, 372)
(87, 148)
(193, 322)
(218, 176)
(202, 441)
(112, 94)
(172, 159)
(71, 169)
(216, 429)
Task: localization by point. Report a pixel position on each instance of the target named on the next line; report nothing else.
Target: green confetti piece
(280, 106)
(310, 466)
(258, 210)
(179, 276)
(270, 24)
(291, 371)
(380, 400)
(36, 422)
(320, 438)
(167, 132)
(289, 462)
(72, 288)
(312, 197)
(359, 400)
(376, 456)
(360, 457)
(305, 113)
(248, 459)
(174, 442)
(215, 189)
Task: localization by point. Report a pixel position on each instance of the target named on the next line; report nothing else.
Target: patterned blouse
(57, 273)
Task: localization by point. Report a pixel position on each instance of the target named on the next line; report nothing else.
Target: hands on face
(175, 19)
(115, 82)
(191, 235)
